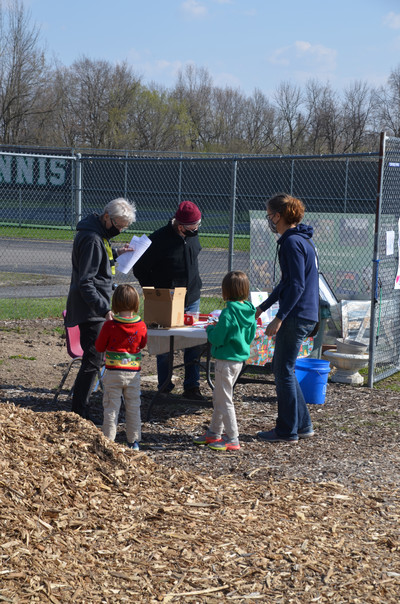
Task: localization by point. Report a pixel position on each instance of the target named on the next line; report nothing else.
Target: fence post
(126, 176)
(232, 216)
(78, 189)
(180, 181)
(346, 182)
(375, 262)
(19, 207)
(291, 177)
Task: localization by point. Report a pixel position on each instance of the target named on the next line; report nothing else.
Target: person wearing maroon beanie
(172, 261)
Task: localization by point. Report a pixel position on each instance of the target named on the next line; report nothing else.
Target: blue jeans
(190, 358)
(293, 415)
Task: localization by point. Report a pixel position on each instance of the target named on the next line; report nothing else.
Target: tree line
(95, 104)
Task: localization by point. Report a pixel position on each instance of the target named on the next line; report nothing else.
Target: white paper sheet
(389, 243)
(126, 261)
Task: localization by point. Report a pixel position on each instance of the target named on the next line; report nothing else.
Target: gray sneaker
(307, 434)
(272, 437)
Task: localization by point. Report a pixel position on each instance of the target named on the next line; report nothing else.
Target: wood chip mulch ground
(86, 520)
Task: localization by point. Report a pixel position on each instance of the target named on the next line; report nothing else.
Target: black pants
(90, 366)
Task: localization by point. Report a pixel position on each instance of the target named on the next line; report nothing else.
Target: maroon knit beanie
(188, 213)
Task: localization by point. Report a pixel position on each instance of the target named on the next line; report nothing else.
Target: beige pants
(224, 416)
(117, 383)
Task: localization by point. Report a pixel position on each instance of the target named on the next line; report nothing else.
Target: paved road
(51, 262)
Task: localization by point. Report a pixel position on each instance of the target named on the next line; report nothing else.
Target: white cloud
(392, 20)
(321, 54)
(193, 9)
(279, 56)
(303, 57)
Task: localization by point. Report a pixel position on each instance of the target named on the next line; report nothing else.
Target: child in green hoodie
(230, 340)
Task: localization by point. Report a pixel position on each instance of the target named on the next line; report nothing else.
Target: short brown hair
(235, 286)
(125, 297)
(291, 208)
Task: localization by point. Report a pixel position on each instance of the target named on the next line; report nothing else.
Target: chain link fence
(43, 196)
(385, 299)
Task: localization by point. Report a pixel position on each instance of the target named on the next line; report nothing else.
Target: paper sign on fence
(126, 261)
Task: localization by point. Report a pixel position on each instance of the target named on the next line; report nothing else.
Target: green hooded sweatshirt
(231, 337)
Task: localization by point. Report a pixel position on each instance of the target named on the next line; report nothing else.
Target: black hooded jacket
(91, 281)
(171, 261)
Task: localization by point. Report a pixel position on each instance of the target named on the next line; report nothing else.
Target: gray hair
(121, 208)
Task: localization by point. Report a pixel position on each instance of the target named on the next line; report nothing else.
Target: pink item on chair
(73, 340)
(72, 337)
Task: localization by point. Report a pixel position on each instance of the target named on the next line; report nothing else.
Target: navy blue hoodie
(298, 290)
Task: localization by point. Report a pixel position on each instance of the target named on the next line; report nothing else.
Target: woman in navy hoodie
(298, 296)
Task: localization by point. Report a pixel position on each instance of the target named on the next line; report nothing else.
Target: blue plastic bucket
(312, 375)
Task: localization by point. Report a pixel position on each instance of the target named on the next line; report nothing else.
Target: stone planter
(348, 346)
(347, 366)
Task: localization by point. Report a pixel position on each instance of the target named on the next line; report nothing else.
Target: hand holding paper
(126, 261)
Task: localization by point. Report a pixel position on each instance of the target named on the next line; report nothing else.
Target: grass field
(42, 308)
(207, 240)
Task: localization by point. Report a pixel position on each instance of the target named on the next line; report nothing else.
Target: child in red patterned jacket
(122, 339)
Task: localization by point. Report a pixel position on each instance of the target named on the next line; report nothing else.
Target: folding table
(169, 339)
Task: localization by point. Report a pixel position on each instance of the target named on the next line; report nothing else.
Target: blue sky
(244, 44)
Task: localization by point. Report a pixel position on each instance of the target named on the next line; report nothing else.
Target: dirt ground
(85, 520)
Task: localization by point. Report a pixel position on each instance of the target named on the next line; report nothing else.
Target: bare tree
(154, 120)
(225, 120)
(357, 114)
(94, 99)
(90, 99)
(291, 121)
(22, 74)
(193, 92)
(258, 123)
(387, 106)
(325, 126)
(125, 93)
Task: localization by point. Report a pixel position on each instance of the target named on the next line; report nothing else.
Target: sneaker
(134, 446)
(206, 438)
(307, 434)
(272, 437)
(225, 444)
(194, 394)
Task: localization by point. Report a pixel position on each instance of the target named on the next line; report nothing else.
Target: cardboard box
(165, 307)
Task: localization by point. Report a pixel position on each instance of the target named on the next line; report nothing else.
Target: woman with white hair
(89, 298)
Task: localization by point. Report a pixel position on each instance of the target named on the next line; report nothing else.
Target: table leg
(169, 376)
(170, 371)
(208, 363)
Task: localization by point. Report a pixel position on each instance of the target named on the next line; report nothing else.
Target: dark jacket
(298, 290)
(91, 281)
(171, 261)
